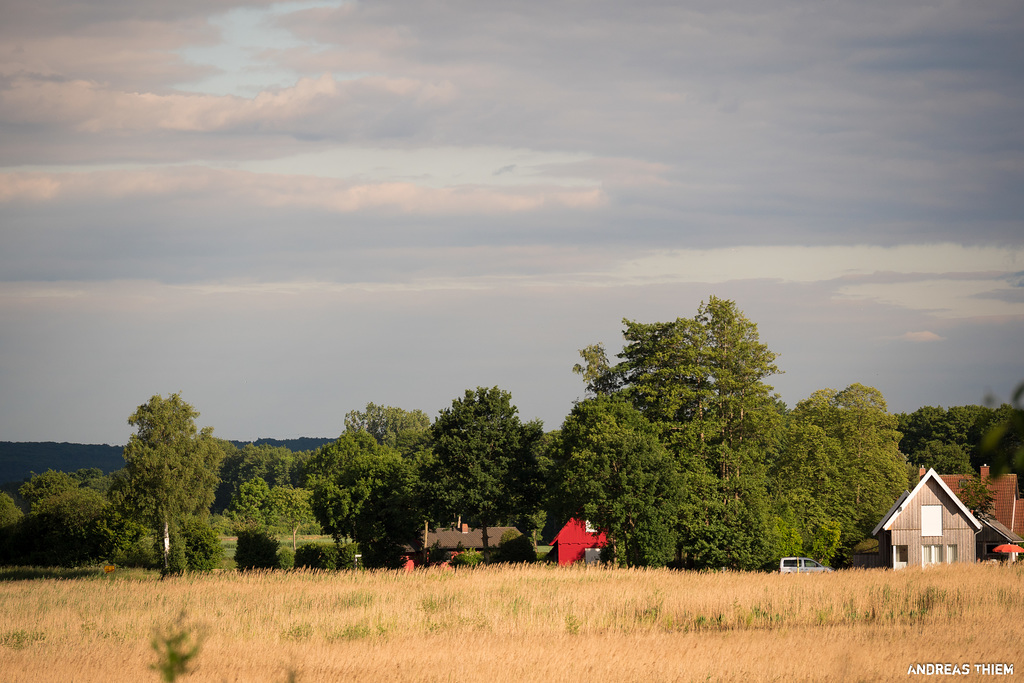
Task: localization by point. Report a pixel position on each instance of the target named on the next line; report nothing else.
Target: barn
(572, 542)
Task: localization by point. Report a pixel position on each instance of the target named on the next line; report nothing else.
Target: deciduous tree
(485, 463)
(615, 473)
(170, 466)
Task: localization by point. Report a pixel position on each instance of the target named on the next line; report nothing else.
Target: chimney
(921, 473)
(465, 528)
(984, 471)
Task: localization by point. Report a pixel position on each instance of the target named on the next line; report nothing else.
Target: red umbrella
(1008, 548)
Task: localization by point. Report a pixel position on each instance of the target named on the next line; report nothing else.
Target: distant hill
(19, 459)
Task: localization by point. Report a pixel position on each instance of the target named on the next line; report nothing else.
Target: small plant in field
(572, 624)
(175, 648)
(297, 632)
(21, 638)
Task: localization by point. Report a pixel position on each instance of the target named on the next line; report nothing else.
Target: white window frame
(931, 554)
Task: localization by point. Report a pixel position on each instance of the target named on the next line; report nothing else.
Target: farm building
(928, 525)
(462, 538)
(574, 540)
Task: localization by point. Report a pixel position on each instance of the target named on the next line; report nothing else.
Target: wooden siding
(906, 528)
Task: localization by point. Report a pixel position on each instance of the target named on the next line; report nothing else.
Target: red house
(572, 542)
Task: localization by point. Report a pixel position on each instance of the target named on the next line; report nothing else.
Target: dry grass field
(516, 623)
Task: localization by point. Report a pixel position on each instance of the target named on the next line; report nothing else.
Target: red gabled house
(572, 542)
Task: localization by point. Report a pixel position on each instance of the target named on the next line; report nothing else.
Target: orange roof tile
(1007, 506)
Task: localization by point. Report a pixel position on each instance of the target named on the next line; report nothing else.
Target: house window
(931, 554)
(899, 556)
(931, 520)
(951, 553)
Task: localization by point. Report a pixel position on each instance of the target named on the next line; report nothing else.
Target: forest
(680, 452)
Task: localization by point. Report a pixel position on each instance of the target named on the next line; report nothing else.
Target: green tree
(1004, 437)
(976, 494)
(10, 513)
(64, 529)
(701, 381)
(292, 507)
(366, 492)
(485, 463)
(387, 423)
(203, 550)
(170, 466)
(275, 465)
(46, 485)
(616, 474)
(252, 503)
(840, 463)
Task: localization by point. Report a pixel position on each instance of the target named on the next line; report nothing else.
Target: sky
(284, 211)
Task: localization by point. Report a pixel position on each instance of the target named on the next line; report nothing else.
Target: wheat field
(503, 623)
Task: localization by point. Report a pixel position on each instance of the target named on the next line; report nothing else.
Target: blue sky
(285, 211)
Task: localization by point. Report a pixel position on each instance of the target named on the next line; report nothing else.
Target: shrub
(256, 548)
(467, 558)
(285, 557)
(516, 549)
(347, 555)
(203, 550)
(316, 556)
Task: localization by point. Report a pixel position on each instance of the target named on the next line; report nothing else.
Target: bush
(141, 553)
(516, 549)
(316, 556)
(467, 558)
(256, 549)
(347, 555)
(326, 556)
(285, 558)
(203, 550)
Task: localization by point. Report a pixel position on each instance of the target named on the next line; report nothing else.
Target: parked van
(800, 565)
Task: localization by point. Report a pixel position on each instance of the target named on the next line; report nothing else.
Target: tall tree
(366, 492)
(701, 380)
(615, 473)
(386, 423)
(842, 454)
(485, 463)
(170, 466)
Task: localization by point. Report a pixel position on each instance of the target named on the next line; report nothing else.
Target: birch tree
(170, 467)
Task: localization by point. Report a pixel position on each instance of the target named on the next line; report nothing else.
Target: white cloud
(812, 264)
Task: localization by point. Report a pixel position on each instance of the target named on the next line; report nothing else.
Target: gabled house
(928, 525)
(573, 542)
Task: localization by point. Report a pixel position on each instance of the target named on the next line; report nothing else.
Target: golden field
(513, 623)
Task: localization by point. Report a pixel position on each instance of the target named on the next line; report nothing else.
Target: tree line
(680, 452)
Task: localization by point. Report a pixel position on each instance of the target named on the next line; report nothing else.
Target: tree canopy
(170, 466)
(485, 465)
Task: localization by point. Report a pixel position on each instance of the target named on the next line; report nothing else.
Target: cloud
(921, 337)
(297, 192)
(91, 107)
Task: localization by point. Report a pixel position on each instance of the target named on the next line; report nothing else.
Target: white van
(800, 565)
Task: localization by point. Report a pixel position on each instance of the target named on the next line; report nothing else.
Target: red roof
(1007, 505)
